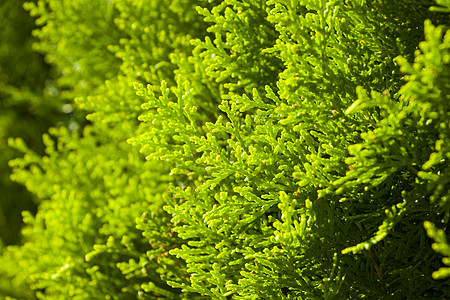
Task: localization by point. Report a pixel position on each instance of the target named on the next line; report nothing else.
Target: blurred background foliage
(29, 105)
(25, 81)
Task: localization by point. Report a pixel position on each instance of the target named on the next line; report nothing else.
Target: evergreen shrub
(279, 149)
(26, 109)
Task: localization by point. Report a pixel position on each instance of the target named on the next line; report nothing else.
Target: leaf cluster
(242, 150)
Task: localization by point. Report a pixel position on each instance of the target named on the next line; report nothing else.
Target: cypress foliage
(241, 150)
(25, 96)
(29, 105)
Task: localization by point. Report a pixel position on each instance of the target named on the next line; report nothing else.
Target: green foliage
(25, 84)
(29, 105)
(241, 150)
(441, 245)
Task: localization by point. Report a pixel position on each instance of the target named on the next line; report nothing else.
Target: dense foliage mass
(240, 150)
